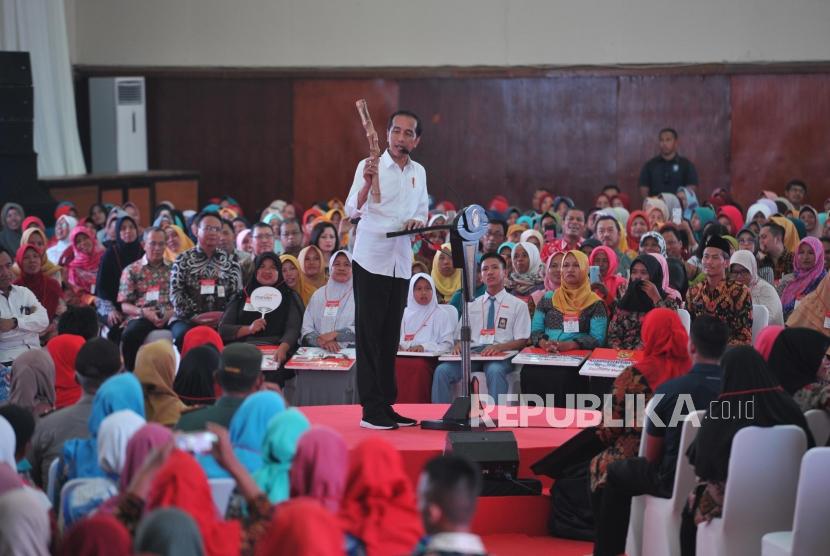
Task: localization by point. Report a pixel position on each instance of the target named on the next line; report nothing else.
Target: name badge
(827, 320)
(487, 336)
(207, 287)
(92, 289)
(503, 323)
(152, 294)
(220, 291)
(408, 337)
(330, 309)
(571, 323)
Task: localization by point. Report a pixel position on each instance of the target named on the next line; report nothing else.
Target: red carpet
(510, 525)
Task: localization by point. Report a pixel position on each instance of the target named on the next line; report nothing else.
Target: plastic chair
(634, 540)
(81, 497)
(221, 490)
(760, 320)
(52, 480)
(819, 422)
(810, 534)
(760, 492)
(685, 318)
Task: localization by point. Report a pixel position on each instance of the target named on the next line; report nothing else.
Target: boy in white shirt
(498, 322)
(22, 317)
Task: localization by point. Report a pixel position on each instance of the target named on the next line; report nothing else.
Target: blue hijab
(80, 455)
(247, 432)
(279, 448)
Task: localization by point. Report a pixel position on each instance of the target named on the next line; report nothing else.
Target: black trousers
(612, 504)
(131, 339)
(379, 304)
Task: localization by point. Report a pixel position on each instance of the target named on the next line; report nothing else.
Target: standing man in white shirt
(22, 317)
(498, 322)
(382, 266)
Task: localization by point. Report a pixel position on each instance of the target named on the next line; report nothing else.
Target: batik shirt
(145, 285)
(729, 302)
(201, 284)
(784, 265)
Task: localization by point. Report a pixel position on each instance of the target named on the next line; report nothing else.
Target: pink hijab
(804, 276)
(766, 339)
(670, 291)
(319, 467)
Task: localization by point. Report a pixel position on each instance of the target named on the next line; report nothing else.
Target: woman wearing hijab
(115, 432)
(791, 238)
(278, 449)
(447, 279)
(526, 277)
(744, 269)
(155, 368)
(82, 263)
(30, 261)
(24, 524)
(97, 535)
(248, 429)
(200, 336)
(808, 272)
(636, 226)
(688, 200)
(33, 382)
(294, 277)
(505, 251)
(168, 532)
(312, 266)
(533, 237)
(431, 241)
(813, 308)
(748, 240)
(62, 241)
(125, 250)
(378, 507)
(302, 527)
(37, 238)
(245, 242)
(766, 339)
(730, 217)
(426, 327)
(80, 455)
(796, 361)
(665, 356)
(329, 318)
(63, 350)
(176, 242)
(194, 383)
(657, 212)
(644, 293)
(670, 292)
(701, 217)
(652, 242)
(572, 317)
(553, 277)
(319, 467)
(11, 218)
(809, 216)
(606, 259)
(746, 380)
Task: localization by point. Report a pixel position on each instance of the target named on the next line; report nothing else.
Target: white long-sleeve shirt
(21, 304)
(403, 194)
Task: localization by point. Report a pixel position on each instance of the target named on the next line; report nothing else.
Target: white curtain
(39, 27)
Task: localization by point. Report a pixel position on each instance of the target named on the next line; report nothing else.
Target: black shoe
(400, 419)
(378, 422)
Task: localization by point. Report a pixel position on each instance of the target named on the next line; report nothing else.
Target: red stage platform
(511, 525)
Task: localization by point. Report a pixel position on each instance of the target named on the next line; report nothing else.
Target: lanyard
(484, 315)
(423, 324)
(326, 295)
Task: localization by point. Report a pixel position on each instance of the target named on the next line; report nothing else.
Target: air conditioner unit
(118, 124)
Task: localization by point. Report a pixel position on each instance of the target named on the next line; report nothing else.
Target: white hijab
(755, 209)
(432, 324)
(333, 291)
(115, 431)
(54, 253)
(7, 443)
(535, 268)
(747, 260)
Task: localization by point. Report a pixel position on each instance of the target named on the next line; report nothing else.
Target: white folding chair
(685, 318)
(52, 480)
(810, 534)
(634, 540)
(221, 490)
(819, 422)
(760, 491)
(760, 320)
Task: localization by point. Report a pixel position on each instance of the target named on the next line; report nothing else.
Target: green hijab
(278, 449)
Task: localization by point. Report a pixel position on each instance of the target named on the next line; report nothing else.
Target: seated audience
(291, 237)
(64, 349)
(773, 253)
(329, 317)
(47, 290)
(798, 361)
(168, 532)
(447, 279)
(746, 379)
(319, 467)
(24, 524)
(610, 284)
(609, 233)
(448, 490)
(22, 318)
(312, 267)
(96, 361)
(144, 295)
(96, 535)
(426, 327)
(36, 237)
(122, 252)
(324, 237)
(155, 368)
(82, 263)
(498, 322)
(278, 449)
(744, 270)
(295, 279)
(33, 382)
(176, 242)
(527, 276)
(239, 375)
(11, 219)
(808, 272)
(62, 240)
(194, 382)
(573, 317)
(812, 310)
(652, 242)
(114, 435)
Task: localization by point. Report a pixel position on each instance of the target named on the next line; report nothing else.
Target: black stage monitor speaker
(495, 452)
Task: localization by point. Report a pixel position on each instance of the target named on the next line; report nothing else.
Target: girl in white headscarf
(329, 318)
(744, 269)
(426, 327)
(24, 524)
(528, 273)
(115, 432)
(64, 225)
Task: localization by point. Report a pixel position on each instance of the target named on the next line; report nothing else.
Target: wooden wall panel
(235, 132)
(329, 140)
(696, 106)
(780, 131)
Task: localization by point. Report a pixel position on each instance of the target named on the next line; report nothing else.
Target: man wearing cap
(720, 297)
(239, 374)
(97, 360)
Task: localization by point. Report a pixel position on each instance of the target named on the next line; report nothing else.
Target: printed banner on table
(402, 353)
(318, 359)
(500, 356)
(539, 356)
(268, 361)
(609, 363)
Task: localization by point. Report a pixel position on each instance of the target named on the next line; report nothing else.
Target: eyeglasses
(215, 229)
(296, 233)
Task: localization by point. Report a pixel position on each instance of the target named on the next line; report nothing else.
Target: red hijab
(47, 290)
(734, 216)
(379, 503)
(302, 527)
(33, 220)
(64, 349)
(82, 267)
(610, 279)
(181, 483)
(199, 336)
(97, 534)
(626, 200)
(633, 242)
(766, 339)
(666, 351)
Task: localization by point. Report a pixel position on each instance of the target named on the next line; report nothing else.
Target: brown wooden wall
(265, 134)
